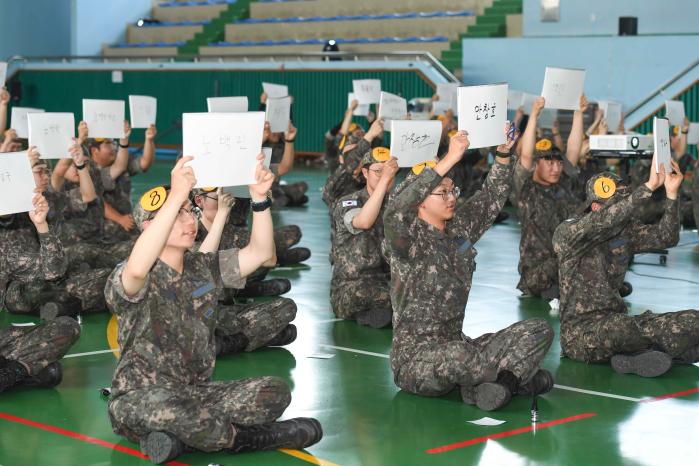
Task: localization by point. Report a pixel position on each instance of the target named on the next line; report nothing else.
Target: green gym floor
(593, 416)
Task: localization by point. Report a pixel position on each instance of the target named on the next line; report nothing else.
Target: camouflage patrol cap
(151, 201)
(376, 155)
(545, 149)
(605, 188)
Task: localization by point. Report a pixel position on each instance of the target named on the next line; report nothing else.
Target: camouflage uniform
(541, 209)
(360, 273)
(163, 379)
(343, 180)
(594, 252)
(35, 347)
(431, 275)
(119, 197)
(289, 194)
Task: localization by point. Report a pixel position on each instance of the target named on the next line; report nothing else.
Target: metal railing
(663, 87)
(280, 57)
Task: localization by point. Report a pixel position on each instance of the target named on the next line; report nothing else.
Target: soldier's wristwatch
(503, 155)
(261, 206)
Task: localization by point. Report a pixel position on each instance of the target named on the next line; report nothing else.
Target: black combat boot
(297, 433)
(59, 304)
(230, 344)
(49, 377)
(293, 256)
(541, 383)
(645, 364)
(490, 396)
(161, 447)
(286, 336)
(377, 318)
(626, 289)
(11, 373)
(272, 287)
(690, 356)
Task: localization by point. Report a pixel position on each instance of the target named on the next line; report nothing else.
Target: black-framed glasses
(378, 171)
(445, 194)
(194, 212)
(208, 196)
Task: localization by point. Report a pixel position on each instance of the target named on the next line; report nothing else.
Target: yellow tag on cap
(208, 189)
(417, 169)
(381, 154)
(441, 118)
(544, 144)
(153, 199)
(604, 187)
(353, 127)
(452, 133)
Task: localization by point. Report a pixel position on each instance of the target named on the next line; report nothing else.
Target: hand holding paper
(563, 88)
(182, 179)
(263, 180)
(39, 212)
(482, 112)
(661, 142)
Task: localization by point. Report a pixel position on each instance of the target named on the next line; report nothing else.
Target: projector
(635, 143)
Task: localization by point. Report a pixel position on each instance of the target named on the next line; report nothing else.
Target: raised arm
(148, 156)
(526, 157)
(87, 188)
(365, 219)
(260, 249)
(121, 162)
(576, 137)
(347, 120)
(50, 263)
(287, 162)
(150, 244)
(213, 237)
(4, 103)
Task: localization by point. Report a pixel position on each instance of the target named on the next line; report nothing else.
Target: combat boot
(541, 383)
(161, 447)
(286, 336)
(690, 356)
(645, 364)
(11, 373)
(378, 318)
(297, 433)
(59, 304)
(293, 256)
(49, 377)
(230, 344)
(490, 396)
(272, 287)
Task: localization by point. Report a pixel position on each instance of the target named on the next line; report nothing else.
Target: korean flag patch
(350, 203)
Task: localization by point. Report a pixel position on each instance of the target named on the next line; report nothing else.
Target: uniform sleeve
(347, 219)
(134, 167)
(48, 264)
(474, 216)
(401, 210)
(115, 296)
(661, 235)
(521, 177)
(343, 175)
(228, 266)
(574, 237)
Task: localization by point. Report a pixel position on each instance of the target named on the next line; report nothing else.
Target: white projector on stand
(622, 143)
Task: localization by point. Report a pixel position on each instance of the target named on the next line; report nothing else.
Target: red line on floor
(671, 395)
(79, 436)
(509, 433)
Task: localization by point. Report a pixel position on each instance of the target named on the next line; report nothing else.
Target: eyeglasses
(445, 194)
(378, 171)
(194, 212)
(208, 196)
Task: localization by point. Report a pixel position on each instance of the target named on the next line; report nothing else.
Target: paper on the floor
(486, 421)
(23, 324)
(321, 355)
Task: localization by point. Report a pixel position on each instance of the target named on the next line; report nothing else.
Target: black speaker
(628, 26)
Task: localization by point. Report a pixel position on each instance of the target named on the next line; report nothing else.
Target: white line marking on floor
(352, 350)
(592, 392)
(89, 353)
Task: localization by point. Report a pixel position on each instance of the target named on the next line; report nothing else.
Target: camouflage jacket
(356, 252)
(342, 181)
(22, 260)
(594, 252)
(431, 270)
(166, 331)
(233, 236)
(540, 210)
(119, 193)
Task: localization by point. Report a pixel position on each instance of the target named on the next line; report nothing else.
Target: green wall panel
(320, 97)
(690, 97)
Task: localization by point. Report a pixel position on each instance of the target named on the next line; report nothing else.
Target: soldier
(695, 190)
(543, 194)
(247, 326)
(166, 299)
(429, 238)
(359, 286)
(594, 251)
(29, 355)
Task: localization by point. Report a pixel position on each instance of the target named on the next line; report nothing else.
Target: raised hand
(673, 180)
(182, 179)
(538, 105)
(655, 180)
(263, 181)
(82, 132)
(41, 209)
(458, 145)
(225, 201)
(151, 132)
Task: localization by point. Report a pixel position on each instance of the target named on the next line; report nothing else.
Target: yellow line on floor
(306, 457)
(113, 335)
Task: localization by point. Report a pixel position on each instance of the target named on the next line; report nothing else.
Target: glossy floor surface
(593, 416)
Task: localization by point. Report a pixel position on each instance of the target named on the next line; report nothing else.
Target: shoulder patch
(349, 203)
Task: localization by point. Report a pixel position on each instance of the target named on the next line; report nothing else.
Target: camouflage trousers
(537, 276)
(291, 195)
(259, 322)
(370, 293)
(115, 232)
(286, 237)
(83, 289)
(36, 347)
(437, 368)
(598, 338)
(200, 415)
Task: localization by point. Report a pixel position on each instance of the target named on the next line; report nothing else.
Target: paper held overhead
(142, 110)
(361, 110)
(392, 107)
(225, 146)
(483, 113)
(16, 183)
(236, 104)
(661, 144)
(275, 91)
(414, 142)
(52, 134)
(674, 112)
(104, 118)
(368, 91)
(563, 88)
(19, 120)
(278, 113)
